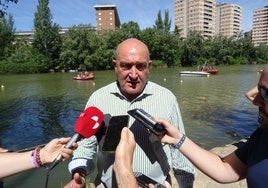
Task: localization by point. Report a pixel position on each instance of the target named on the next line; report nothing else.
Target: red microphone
(87, 124)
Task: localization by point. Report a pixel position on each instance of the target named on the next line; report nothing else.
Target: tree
(167, 22)
(83, 49)
(177, 31)
(4, 6)
(192, 49)
(161, 24)
(47, 39)
(6, 36)
(132, 28)
(262, 54)
(163, 46)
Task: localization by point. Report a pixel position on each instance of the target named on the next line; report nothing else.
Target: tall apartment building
(207, 17)
(195, 15)
(107, 17)
(229, 19)
(260, 26)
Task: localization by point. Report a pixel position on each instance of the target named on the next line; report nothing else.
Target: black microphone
(87, 124)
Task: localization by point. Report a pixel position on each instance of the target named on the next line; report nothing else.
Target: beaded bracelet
(35, 154)
(32, 159)
(38, 157)
(178, 145)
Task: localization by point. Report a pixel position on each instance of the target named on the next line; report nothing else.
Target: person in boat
(205, 67)
(87, 73)
(131, 90)
(202, 68)
(249, 161)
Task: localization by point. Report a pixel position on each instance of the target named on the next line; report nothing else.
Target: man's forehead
(133, 55)
(133, 50)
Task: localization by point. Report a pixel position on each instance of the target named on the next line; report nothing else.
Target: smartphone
(148, 121)
(144, 181)
(113, 132)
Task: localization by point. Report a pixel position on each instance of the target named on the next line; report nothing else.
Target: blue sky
(67, 13)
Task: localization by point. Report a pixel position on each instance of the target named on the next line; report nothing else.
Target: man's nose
(133, 71)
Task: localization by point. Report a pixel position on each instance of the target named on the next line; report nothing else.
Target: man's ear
(114, 63)
(150, 63)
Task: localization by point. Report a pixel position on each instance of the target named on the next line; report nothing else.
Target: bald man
(130, 90)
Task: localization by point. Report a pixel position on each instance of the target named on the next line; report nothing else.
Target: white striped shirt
(150, 157)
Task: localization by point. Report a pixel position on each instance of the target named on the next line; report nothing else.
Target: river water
(38, 107)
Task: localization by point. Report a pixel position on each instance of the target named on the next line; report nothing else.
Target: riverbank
(202, 181)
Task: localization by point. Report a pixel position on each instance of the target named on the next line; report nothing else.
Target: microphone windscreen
(89, 122)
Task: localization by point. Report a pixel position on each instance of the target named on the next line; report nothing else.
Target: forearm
(125, 177)
(13, 163)
(224, 170)
(209, 163)
(123, 160)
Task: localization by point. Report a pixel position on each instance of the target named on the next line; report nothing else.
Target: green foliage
(25, 60)
(113, 38)
(262, 53)
(26, 68)
(162, 45)
(132, 29)
(4, 7)
(163, 25)
(192, 49)
(47, 39)
(84, 49)
(159, 22)
(157, 63)
(6, 36)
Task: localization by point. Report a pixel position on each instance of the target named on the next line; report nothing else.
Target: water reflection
(216, 106)
(37, 108)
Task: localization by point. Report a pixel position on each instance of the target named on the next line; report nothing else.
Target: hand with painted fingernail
(54, 148)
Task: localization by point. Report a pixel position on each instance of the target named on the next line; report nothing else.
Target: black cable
(47, 177)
